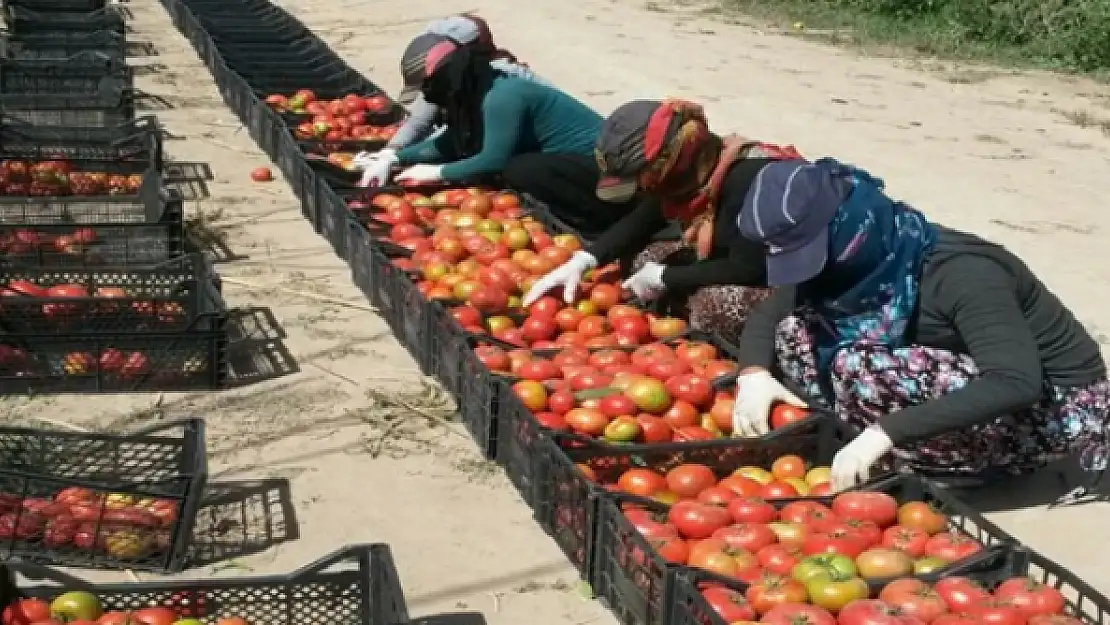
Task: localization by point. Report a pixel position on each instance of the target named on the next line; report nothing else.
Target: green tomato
(76, 605)
(824, 564)
(188, 621)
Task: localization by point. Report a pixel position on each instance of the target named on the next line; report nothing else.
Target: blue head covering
(867, 292)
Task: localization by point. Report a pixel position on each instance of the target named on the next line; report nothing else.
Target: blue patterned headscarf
(867, 293)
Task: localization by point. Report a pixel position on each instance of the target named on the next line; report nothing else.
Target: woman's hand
(756, 391)
(375, 167)
(567, 275)
(421, 174)
(852, 464)
(647, 283)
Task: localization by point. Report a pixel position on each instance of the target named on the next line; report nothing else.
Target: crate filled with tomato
(892, 527)
(101, 500)
(356, 585)
(570, 475)
(341, 126)
(66, 178)
(1010, 586)
(175, 296)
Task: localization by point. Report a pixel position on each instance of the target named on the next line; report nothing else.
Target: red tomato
(952, 546)
(729, 604)
(697, 520)
(667, 369)
(842, 541)
(908, 539)
(750, 509)
(26, 611)
(879, 508)
(874, 612)
(998, 612)
(783, 415)
(1031, 596)
(960, 593)
(748, 536)
(807, 513)
(687, 480)
(717, 495)
(743, 486)
(1055, 619)
(915, 598)
(561, 402)
(798, 614)
(778, 490)
(672, 549)
(654, 429)
(772, 590)
(690, 387)
(779, 559)
(957, 619)
(642, 482)
(155, 616)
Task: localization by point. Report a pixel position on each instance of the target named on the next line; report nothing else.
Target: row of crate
(550, 470)
(103, 500)
(102, 293)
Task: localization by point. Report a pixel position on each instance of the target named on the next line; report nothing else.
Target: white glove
(647, 283)
(422, 174)
(756, 392)
(852, 464)
(375, 167)
(567, 275)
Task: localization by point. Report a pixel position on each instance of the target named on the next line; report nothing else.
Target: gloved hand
(567, 275)
(375, 167)
(421, 174)
(852, 464)
(756, 392)
(647, 283)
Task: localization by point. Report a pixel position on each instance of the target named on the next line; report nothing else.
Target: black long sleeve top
(979, 299)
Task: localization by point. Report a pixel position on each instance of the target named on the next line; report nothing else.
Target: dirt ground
(1018, 158)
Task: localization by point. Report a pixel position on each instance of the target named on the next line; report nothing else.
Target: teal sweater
(518, 116)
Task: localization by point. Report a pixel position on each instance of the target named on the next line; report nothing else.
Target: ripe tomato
(840, 541)
(654, 429)
(875, 612)
(690, 387)
(998, 612)
(797, 614)
(778, 490)
(729, 604)
(788, 467)
(922, 516)
(561, 402)
(642, 482)
(960, 593)
(880, 563)
(717, 495)
(1031, 596)
(956, 619)
(681, 414)
(664, 370)
(687, 480)
(748, 536)
(155, 616)
(914, 598)
(952, 546)
(783, 415)
(880, 508)
(1055, 619)
(909, 539)
(744, 509)
(532, 394)
(772, 590)
(806, 512)
(697, 520)
(671, 548)
(779, 559)
(743, 486)
(26, 611)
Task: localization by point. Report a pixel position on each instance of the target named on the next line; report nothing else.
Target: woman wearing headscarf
(664, 153)
(465, 30)
(942, 347)
(490, 116)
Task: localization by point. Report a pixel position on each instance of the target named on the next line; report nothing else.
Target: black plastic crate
(638, 584)
(132, 363)
(517, 433)
(167, 298)
(139, 140)
(152, 204)
(68, 496)
(279, 63)
(356, 585)
(61, 5)
(308, 47)
(334, 217)
(58, 45)
(565, 501)
(362, 247)
(21, 19)
(253, 33)
(94, 245)
(1002, 563)
(401, 304)
(453, 362)
(80, 73)
(111, 104)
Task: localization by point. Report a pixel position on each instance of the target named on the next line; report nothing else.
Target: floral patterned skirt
(722, 310)
(871, 381)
